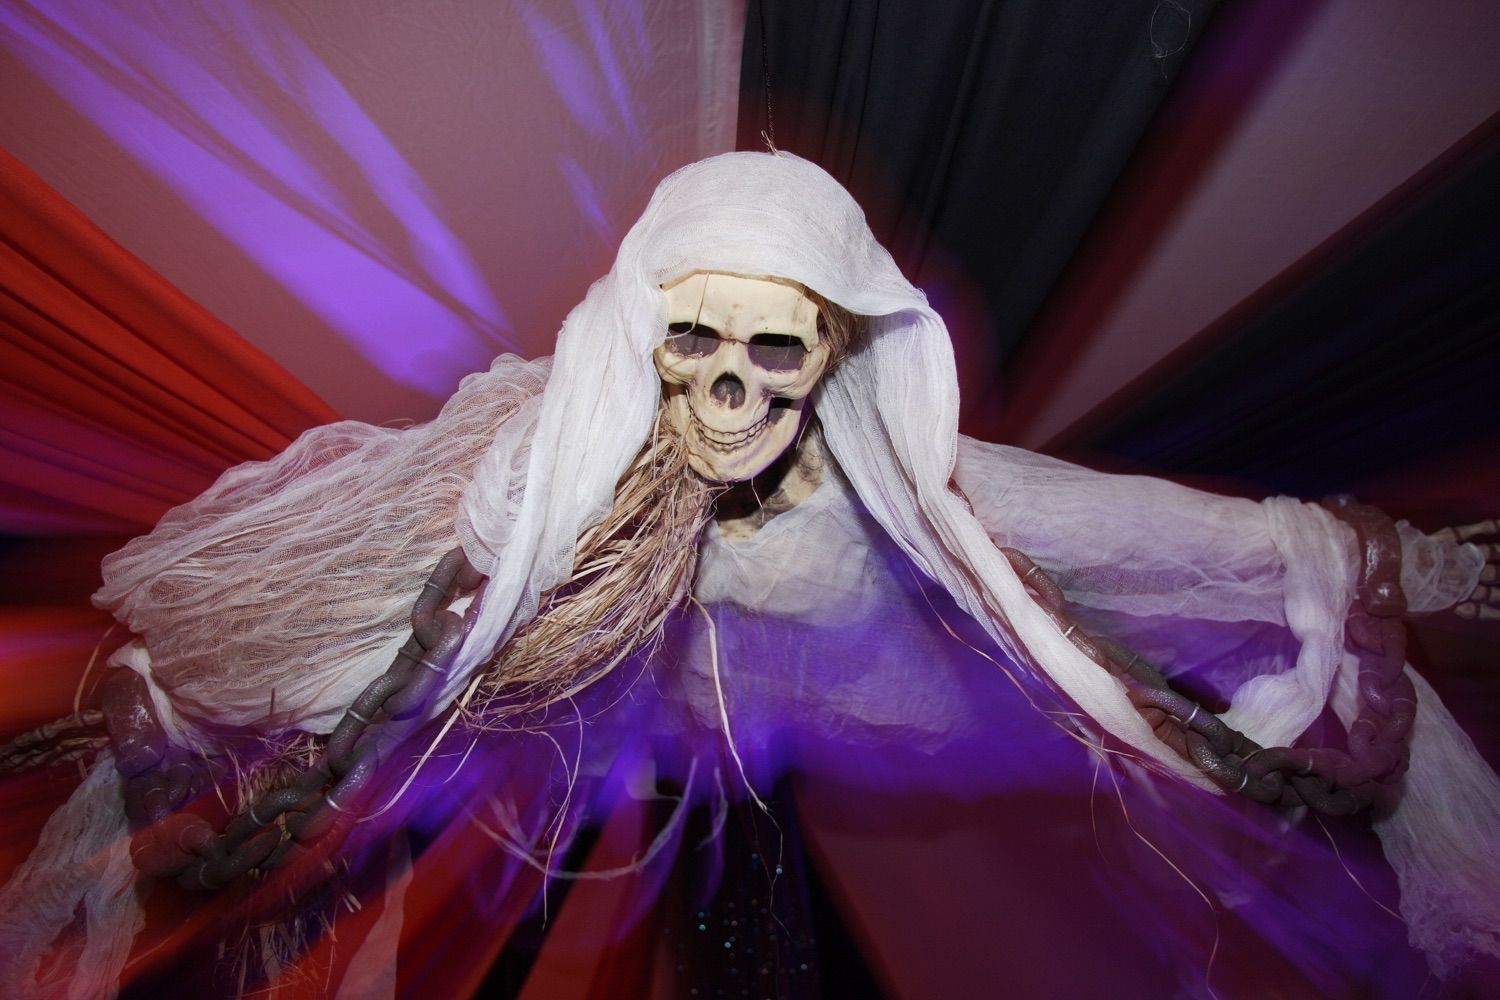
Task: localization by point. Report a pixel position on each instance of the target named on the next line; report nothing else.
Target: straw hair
(631, 571)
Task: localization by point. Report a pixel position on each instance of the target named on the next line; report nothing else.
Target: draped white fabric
(82, 862)
(272, 599)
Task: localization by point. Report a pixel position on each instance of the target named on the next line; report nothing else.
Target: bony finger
(1472, 611)
(1468, 531)
(1459, 534)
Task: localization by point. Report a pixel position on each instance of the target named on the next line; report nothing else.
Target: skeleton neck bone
(744, 509)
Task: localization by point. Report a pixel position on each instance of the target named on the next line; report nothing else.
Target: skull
(740, 357)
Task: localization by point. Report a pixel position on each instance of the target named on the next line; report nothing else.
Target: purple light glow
(616, 85)
(594, 91)
(414, 303)
(904, 758)
(586, 198)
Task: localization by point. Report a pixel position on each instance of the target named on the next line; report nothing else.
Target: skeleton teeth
(722, 441)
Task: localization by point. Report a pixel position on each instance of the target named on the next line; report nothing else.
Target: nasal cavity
(729, 390)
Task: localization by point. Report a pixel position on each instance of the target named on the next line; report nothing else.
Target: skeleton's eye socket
(689, 340)
(777, 351)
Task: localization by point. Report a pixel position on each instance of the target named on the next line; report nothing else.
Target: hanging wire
(768, 134)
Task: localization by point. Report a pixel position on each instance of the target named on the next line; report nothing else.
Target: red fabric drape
(121, 396)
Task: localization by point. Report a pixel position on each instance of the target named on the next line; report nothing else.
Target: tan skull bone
(740, 358)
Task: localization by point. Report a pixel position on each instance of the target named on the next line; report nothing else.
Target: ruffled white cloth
(82, 862)
(272, 599)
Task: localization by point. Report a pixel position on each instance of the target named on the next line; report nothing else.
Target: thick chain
(1326, 779)
(305, 818)
(315, 806)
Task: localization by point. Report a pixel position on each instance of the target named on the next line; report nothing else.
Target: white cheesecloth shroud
(335, 535)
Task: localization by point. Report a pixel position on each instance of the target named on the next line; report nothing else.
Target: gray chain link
(306, 817)
(1326, 779)
(315, 806)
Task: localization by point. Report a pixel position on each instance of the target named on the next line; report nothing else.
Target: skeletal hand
(1484, 602)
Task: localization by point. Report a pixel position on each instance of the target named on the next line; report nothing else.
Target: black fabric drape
(981, 137)
(1377, 351)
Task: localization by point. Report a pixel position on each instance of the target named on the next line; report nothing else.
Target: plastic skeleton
(742, 356)
(739, 360)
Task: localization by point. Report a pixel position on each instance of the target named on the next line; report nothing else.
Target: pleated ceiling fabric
(119, 396)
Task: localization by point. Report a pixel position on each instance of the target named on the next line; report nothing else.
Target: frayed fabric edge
(82, 859)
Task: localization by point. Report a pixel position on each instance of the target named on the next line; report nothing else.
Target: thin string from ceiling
(768, 134)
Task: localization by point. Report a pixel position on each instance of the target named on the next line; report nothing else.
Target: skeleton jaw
(727, 441)
(730, 452)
